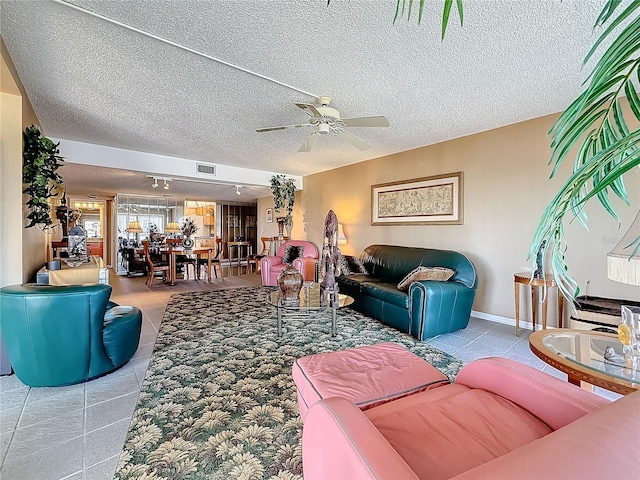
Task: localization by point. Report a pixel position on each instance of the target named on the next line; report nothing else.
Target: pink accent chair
(271, 267)
(500, 419)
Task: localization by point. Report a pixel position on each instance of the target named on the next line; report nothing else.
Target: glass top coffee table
(311, 305)
(580, 354)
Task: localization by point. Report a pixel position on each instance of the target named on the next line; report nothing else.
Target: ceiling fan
(327, 119)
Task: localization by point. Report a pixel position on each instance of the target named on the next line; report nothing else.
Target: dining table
(172, 252)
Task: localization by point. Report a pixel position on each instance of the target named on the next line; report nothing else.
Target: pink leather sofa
(500, 419)
(271, 267)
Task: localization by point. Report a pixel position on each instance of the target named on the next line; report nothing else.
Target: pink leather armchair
(500, 419)
(271, 267)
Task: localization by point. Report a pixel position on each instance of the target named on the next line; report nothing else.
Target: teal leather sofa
(430, 307)
(61, 335)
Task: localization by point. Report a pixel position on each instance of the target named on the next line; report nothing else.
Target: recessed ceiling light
(92, 195)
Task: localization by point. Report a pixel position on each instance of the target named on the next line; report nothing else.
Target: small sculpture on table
(330, 256)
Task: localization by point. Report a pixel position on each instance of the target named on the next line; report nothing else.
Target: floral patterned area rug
(218, 400)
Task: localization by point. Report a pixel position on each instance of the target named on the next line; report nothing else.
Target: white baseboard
(503, 320)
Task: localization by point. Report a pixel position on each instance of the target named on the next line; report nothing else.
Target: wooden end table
(537, 289)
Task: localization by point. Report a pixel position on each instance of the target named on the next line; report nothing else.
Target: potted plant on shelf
(284, 196)
(40, 163)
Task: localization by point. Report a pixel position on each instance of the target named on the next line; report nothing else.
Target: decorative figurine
(330, 254)
(611, 356)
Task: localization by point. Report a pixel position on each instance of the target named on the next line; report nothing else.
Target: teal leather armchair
(61, 335)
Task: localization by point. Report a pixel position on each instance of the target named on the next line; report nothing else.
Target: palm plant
(595, 125)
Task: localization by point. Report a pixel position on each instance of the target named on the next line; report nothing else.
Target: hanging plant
(40, 162)
(284, 196)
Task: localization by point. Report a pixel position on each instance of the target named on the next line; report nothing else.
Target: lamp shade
(623, 262)
(134, 227)
(172, 227)
(342, 239)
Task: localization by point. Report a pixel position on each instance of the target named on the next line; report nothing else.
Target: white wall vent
(206, 169)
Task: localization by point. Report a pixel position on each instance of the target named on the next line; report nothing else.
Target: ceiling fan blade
(353, 140)
(366, 122)
(309, 142)
(282, 127)
(309, 109)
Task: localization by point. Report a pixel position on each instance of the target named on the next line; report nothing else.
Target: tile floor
(77, 432)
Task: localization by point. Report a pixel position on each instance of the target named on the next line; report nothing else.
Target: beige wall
(22, 251)
(271, 229)
(506, 188)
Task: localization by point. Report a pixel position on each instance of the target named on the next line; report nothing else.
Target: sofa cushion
(441, 274)
(367, 376)
(387, 292)
(458, 429)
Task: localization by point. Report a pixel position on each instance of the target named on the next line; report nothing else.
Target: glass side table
(311, 305)
(580, 354)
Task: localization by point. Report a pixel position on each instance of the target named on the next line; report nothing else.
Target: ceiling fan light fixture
(323, 128)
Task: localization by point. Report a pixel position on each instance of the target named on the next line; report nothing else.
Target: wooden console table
(537, 286)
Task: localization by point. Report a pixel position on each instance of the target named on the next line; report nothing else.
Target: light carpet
(218, 400)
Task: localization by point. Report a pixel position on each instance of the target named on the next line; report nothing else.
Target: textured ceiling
(97, 82)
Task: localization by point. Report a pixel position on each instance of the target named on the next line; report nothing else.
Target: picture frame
(269, 217)
(435, 200)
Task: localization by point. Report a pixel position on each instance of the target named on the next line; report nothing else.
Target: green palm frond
(406, 6)
(595, 124)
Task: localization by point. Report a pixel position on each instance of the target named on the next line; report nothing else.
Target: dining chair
(155, 263)
(183, 261)
(255, 258)
(215, 261)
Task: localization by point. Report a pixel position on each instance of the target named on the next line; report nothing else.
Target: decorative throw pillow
(291, 252)
(425, 273)
(350, 265)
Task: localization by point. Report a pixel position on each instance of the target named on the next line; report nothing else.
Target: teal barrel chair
(61, 335)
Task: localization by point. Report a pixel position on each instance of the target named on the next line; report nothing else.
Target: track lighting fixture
(238, 192)
(155, 180)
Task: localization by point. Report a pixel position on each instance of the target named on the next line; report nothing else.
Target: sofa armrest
(603, 444)
(339, 442)
(266, 262)
(439, 307)
(120, 337)
(552, 400)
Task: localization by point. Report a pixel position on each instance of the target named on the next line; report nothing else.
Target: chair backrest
(148, 256)
(266, 245)
(310, 250)
(54, 333)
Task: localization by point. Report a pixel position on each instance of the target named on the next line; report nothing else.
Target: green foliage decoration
(595, 125)
(40, 163)
(284, 196)
(598, 128)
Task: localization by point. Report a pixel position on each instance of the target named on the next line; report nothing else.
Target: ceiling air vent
(206, 169)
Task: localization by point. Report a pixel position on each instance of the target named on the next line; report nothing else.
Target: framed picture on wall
(269, 215)
(433, 200)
